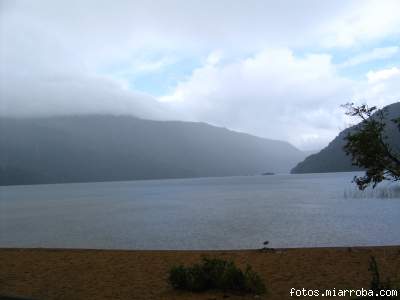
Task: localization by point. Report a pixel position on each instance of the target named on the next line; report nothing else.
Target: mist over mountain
(106, 148)
(333, 158)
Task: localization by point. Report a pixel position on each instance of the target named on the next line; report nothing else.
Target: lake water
(205, 213)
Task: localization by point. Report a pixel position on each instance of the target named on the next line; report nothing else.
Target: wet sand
(45, 274)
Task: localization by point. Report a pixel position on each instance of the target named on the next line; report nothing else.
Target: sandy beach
(108, 274)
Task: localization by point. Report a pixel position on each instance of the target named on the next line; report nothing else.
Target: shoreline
(48, 273)
(198, 250)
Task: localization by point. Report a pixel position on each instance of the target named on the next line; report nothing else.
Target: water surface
(204, 213)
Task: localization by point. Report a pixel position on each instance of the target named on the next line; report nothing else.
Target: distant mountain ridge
(107, 148)
(333, 158)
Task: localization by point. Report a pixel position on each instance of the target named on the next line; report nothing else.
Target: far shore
(76, 274)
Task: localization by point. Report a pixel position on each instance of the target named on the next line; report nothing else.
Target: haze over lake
(206, 213)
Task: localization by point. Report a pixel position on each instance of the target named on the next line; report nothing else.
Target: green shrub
(216, 274)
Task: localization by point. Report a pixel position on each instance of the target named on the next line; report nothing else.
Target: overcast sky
(276, 69)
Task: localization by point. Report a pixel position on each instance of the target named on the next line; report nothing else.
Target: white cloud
(375, 54)
(100, 31)
(272, 94)
(278, 95)
(151, 65)
(376, 76)
(362, 21)
(214, 58)
(381, 87)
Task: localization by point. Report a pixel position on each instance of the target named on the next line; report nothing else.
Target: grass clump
(377, 284)
(216, 274)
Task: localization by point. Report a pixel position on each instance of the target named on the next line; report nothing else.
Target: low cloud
(41, 76)
(267, 67)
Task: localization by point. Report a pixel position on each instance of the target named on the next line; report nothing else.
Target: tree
(369, 147)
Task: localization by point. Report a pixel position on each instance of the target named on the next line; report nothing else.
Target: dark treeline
(105, 148)
(333, 157)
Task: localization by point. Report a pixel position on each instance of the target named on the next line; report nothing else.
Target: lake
(204, 213)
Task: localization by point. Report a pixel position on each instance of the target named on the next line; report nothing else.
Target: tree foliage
(369, 147)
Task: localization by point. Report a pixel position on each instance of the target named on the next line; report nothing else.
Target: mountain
(107, 148)
(333, 158)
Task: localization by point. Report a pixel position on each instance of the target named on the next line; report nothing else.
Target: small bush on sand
(218, 274)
